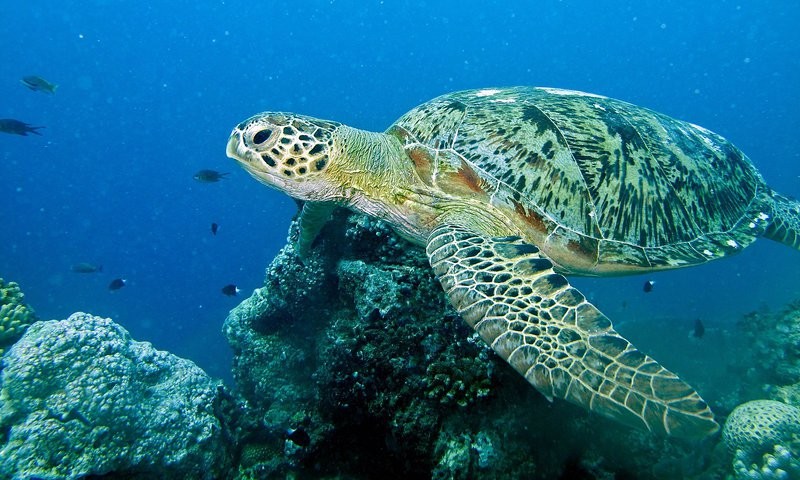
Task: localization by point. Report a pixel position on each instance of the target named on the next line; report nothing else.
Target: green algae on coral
(15, 315)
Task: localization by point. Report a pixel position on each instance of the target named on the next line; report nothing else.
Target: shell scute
(644, 188)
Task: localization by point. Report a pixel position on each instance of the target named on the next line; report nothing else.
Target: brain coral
(764, 436)
(15, 316)
(79, 397)
(755, 427)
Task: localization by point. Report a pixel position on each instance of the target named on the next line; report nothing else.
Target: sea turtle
(510, 189)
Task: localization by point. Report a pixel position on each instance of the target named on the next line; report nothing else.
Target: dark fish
(214, 228)
(84, 267)
(699, 329)
(298, 436)
(39, 84)
(648, 286)
(209, 176)
(230, 290)
(9, 125)
(116, 284)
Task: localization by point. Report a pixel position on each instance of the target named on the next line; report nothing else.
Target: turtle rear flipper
(785, 225)
(564, 346)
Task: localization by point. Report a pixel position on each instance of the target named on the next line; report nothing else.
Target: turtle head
(289, 152)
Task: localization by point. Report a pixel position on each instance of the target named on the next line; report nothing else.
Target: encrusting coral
(80, 398)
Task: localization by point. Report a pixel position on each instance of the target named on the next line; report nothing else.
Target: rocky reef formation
(356, 347)
(763, 435)
(80, 398)
(771, 364)
(15, 315)
(349, 363)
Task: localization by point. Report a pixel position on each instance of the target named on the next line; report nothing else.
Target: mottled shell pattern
(613, 182)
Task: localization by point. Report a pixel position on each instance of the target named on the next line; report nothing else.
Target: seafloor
(351, 364)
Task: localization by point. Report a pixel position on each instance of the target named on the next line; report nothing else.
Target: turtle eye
(262, 136)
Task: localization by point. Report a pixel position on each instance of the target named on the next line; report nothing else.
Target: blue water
(149, 93)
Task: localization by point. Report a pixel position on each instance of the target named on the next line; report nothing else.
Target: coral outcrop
(15, 315)
(772, 358)
(350, 363)
(764, 436)
(80, 398)
(356, 346)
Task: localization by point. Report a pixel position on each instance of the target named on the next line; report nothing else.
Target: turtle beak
(238, 151)
(251, 161)
(234, 144)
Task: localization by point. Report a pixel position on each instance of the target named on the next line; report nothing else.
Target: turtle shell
(609, 181)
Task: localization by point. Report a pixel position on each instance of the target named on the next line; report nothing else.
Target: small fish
(298, 436)
(39, 84)
(230, 290)
(214, 228)
(85, 267)
(117, 283)
(699, 329)
(648, 286)
(10, 125)
(210, 176)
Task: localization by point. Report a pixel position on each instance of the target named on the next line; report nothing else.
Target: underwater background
(148, 93)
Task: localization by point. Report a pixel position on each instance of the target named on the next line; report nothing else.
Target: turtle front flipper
(507, 291)
(313, 217)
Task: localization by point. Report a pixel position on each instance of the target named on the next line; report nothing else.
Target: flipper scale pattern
(531, 316)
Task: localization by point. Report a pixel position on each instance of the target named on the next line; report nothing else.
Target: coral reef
(356, 345)
(79, 397)
(764, 436)
(15, 315)
(349, 363)
(771, 362)
(780, 464)
(756, 426)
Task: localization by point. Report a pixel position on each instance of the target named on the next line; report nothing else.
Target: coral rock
(79, 397)
(764, 436)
